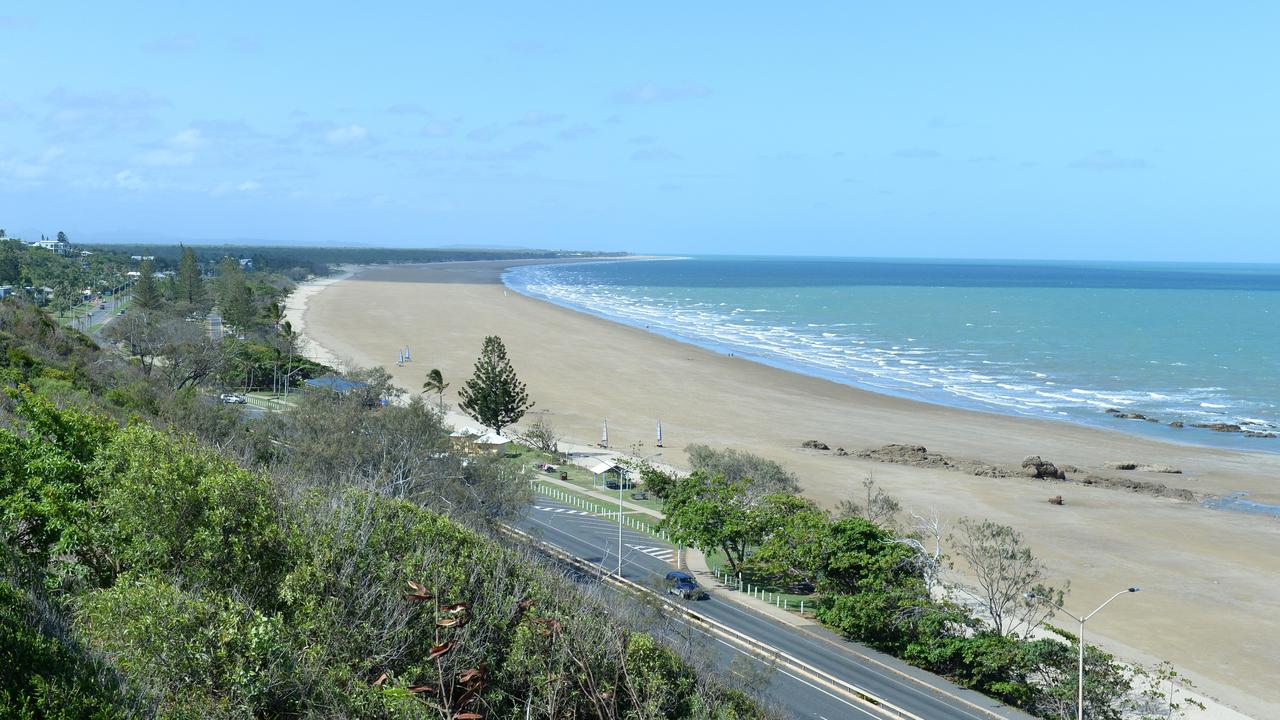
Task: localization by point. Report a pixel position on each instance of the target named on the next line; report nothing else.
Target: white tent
(491, 440)
(599, 467)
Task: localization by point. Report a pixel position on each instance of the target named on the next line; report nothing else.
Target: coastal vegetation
(878, 583)
(297, 262)
(170, 557)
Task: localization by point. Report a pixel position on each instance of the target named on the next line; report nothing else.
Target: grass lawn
(579, 477)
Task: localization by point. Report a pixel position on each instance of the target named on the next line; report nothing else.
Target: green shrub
(193, 654)
(44, 676)
(170, 507)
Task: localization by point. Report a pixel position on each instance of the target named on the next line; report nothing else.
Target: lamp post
(1082, 621)
(620, 484)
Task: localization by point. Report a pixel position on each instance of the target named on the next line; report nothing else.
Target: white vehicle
(232, 399)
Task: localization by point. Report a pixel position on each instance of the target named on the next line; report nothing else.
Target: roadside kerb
(724, 632)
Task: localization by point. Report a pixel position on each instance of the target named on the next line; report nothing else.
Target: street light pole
(1082, 621)
(620, 483)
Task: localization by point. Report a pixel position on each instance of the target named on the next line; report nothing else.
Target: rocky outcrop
(1140, 486)
(815, 445)
(919, 456)
(1122, 415)
(1219, 427)
(1034, 467)
(1258, 434)
(1143, 467)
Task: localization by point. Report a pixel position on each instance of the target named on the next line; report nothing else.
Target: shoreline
(1132, 424)
(1192, 562)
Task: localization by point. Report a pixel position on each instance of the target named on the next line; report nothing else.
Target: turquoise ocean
(1186, 343)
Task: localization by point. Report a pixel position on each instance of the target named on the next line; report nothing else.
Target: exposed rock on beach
(1033, 467)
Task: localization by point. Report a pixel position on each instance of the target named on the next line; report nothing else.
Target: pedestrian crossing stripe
(566, 511)
(660, 553)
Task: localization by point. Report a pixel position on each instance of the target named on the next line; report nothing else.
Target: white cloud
(227, 188)
(178, 151)
(189, 139)
(164, 157)
(129, 180)
(347, 135)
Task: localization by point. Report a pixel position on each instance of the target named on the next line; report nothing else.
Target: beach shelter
(600, 468)
(490, 442)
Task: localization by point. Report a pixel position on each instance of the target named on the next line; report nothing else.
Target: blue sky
(1090, 130)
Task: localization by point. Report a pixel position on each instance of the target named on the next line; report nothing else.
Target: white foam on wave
(851, 352)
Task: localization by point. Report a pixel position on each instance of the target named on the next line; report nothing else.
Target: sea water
(1188, 343)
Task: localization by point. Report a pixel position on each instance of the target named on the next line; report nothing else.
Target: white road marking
(661, 553)
(566, 511)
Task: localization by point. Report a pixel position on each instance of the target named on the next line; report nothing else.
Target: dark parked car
(682, 584)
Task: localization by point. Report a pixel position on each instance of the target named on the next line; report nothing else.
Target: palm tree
(435, 383)
(289, 337)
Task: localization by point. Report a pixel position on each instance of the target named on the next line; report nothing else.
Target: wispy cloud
(178, 151)
(537, 118)
(230, 188)
(83, 115)
(484, 134)
(1107, 160)
(576, 132)
(647, 154)
(917, 153)
(128, 180)
(172, 44)
(439, 128)
(648, 93)
(347, 135)
(407, 108)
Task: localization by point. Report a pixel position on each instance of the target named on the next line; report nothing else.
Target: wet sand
(1210, 580)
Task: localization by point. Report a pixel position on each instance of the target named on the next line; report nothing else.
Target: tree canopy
(494, 396)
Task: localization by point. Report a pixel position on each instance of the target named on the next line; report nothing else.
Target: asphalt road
(647, 560)
(99, 317)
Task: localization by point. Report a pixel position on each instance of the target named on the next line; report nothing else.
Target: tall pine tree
(190, 285)
(494, 396)
(146, 294)
(235, 296)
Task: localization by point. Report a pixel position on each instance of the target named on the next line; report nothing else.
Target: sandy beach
(1208, 578)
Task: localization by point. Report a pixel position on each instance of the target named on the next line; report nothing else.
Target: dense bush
(175, 582)
(44, 674)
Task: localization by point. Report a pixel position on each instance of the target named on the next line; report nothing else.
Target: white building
(56, 246)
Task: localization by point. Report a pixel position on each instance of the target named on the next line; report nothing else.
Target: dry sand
(1210, 580)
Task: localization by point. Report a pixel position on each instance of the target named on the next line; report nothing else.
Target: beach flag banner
(407, 356)
(604, 434)
(659, 432)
